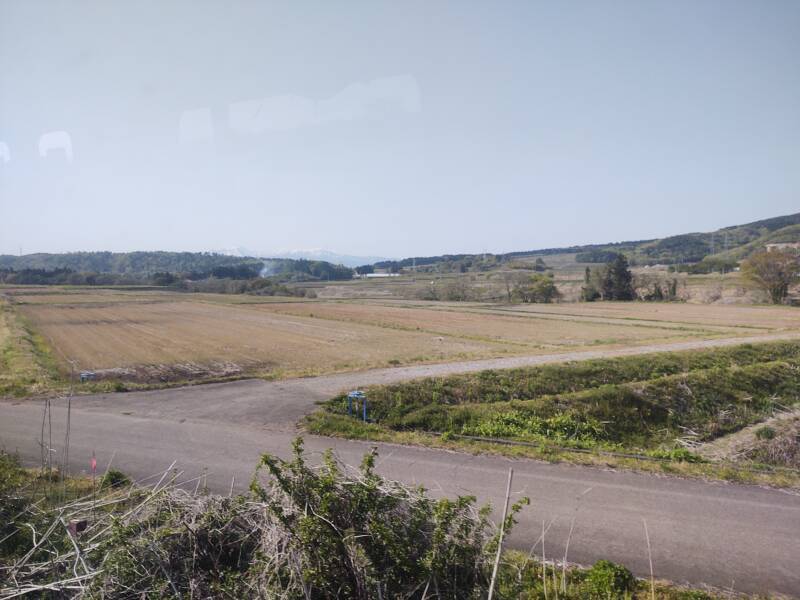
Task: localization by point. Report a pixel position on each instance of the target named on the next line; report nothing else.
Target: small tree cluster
(538, 288)
(614, 281)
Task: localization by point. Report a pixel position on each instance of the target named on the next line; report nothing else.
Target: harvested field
(209, 338)
(59, 296)
(740, 316)
(152, 335)
(474, 322)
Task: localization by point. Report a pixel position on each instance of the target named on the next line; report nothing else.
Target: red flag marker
(93, 464)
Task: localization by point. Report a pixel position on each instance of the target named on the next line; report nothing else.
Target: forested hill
(735, 242)
(728, 243)
(128, 263)
(195, 265)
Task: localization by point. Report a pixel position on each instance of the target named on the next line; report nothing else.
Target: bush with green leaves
(114, 478)
(608, 580)
(365, 537)
(765, 433)
(514, 423)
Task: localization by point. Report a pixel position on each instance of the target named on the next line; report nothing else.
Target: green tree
(618, 280)
(589, 291)
(774, 272)
(540, 265)
(537, 288)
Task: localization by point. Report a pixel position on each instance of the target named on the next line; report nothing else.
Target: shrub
(608, 580)
(765, 433)
(516, 423)
(677, 454)
(114, 479)
(304, 533)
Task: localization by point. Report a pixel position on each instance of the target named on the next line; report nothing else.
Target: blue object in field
(87, 376)
(357, 395)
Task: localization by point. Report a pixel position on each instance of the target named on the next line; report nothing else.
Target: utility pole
(65, 466)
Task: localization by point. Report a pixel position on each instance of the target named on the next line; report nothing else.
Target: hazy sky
(392, 128)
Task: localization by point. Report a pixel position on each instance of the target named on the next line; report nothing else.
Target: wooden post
(502, 533)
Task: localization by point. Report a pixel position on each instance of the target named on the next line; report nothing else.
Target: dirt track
(724, 535)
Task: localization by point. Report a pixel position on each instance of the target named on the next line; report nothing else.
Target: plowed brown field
(152, 335)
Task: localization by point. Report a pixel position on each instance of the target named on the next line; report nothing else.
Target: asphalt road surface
(729, 536)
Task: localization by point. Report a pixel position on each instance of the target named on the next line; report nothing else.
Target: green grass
(633, 405)
(331, 425)
(392, 402)
(526, 578)
(27, 364)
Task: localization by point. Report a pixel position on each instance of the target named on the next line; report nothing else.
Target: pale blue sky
(396, 129)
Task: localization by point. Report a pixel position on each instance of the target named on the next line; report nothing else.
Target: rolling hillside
(728, 243)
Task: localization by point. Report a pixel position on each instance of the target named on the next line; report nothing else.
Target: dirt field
(226, 339)
(473, 321)
(727, 316)
(151, 335)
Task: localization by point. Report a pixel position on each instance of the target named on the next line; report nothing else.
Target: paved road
(279, 404)
(700, 532)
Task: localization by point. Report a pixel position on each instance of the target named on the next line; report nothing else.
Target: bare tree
(774, 272)
(512, 279)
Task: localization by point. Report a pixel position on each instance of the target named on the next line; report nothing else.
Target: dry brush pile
(306, 533)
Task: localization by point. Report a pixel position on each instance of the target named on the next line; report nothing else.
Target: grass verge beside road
(27, 365)
(646, 412)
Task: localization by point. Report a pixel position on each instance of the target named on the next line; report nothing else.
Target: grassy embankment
(27, 366)
(656, 407)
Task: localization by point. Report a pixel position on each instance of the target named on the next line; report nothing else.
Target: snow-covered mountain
(348, 260)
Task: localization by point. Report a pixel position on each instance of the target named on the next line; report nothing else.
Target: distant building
(783, 246)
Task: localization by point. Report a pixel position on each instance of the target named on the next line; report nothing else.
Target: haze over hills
(728, 244)
(348, 260)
